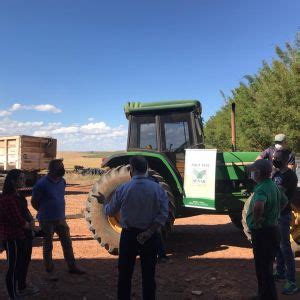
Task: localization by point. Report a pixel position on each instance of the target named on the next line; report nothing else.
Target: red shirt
(11, 220)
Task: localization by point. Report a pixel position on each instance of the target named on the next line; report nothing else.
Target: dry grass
(72, 159)
(73, 178)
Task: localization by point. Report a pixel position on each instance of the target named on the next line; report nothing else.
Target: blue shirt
(51, 198)
(141, 203)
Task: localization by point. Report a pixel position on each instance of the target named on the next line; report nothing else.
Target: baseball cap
(280, 137)
(263, 165)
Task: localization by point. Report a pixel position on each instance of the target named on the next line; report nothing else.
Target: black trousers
(24, 259)
(129, 249)
(18, 253)
(265, 243)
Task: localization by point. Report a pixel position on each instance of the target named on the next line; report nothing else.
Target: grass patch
(73, 178)
(100, 154)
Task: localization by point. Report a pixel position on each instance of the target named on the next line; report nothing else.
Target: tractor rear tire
(295, 231)
(244, 215)
(236, 219)
(295, 228)
(106, 230)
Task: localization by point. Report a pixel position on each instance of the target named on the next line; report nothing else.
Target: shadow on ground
(189, 270)
(201, 239)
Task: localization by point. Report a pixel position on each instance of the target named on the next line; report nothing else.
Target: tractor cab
(165, 127)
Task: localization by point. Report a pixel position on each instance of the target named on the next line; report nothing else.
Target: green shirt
(273, 198)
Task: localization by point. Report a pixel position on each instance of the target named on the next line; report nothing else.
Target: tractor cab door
(176, 135)
(143, 133)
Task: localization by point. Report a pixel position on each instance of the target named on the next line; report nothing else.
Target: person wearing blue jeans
(285, 261)
(287, 180)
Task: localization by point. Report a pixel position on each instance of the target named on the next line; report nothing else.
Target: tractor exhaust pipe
(233, 132)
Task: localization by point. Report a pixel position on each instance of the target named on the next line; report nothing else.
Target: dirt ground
(207, 252)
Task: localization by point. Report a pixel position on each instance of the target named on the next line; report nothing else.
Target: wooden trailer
(29, 153)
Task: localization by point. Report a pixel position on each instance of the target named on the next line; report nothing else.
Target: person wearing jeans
(48, 198)
(286, 180)
(61, 228)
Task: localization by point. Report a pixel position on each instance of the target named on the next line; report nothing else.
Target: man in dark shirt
(143, 205)
(48, 198)
(280, 143)
(287, 180)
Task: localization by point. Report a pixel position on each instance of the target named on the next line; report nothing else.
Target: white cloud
(16, 107)
(91, 119)
(40, 107)
(86, 137)
(4, 113)
(95, 128)
(47, 107)
(71, 129)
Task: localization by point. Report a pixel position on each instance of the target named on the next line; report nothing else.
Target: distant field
(85, 159)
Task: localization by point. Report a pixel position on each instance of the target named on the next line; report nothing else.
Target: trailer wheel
(106, 230)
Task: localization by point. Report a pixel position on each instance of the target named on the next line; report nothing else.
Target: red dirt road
(207, 252)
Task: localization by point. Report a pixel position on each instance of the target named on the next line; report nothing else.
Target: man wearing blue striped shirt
(143, 205)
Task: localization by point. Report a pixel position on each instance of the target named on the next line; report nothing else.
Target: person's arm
(259, 199)
(290, 186)
(263, 155)
(114, 205)
(13, 213)
(292, 162)
(163, 214)
(24, 209)
(37, 195)
(283, 200)
(258, 211)
(159, 220)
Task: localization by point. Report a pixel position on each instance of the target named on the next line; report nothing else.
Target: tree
(266, 104)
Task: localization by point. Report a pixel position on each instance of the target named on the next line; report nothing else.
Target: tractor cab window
(143, 133)
(176, 132)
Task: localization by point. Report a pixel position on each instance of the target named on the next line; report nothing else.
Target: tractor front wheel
(107, 230)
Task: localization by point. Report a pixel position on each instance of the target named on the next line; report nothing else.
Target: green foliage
(267, 104)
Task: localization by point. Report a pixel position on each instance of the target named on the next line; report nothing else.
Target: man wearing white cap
(280, 143)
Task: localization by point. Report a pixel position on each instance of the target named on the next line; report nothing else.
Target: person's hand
(100, 198)
(144, 236)
(32, 225)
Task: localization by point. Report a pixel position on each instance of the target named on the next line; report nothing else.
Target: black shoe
(163, 259)
(76, 271)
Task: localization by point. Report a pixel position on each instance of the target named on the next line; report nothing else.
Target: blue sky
(85, 59)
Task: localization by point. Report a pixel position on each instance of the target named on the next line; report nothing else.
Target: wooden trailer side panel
(26, 152)
(36, 153)
(9, 153)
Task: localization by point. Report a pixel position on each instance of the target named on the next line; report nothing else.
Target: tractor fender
(157, 162)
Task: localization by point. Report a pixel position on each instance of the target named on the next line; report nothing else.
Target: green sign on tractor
(197, 180)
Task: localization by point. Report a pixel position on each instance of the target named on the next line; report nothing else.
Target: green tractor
(170, 136)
